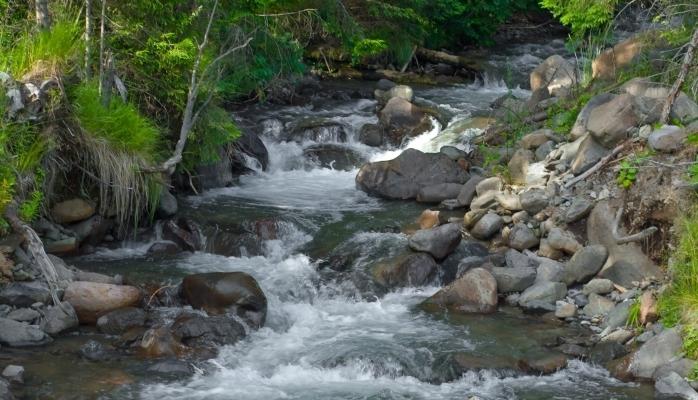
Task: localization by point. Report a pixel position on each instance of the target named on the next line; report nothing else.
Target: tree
(43, 18)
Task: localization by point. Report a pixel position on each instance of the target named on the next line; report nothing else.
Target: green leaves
(627, 174)
(582, 15)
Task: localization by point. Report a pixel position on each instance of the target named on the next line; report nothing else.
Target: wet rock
(428, 219)
(598, 305)
(673, 386)
(543, 292)
(474, 292)
(439, 241)
(411, 269)
(199, 331)
(164, 248)
(58, 319)
(656, 352)
(404, 176)
(92, 300)
(227, 292)
(580, 125)
(564, 310)
(119, 321)
(167, 206)
(519, 165)
(585, 264)
(5, 393)
(160, 342)
(564, 241)
(403, 119)
(14, 374)
(468, 191)
(439, 192)
(319, 130)
(73, 210)
(184, 232)
(487, 226)
(18, 334)
(465, 362)
(513, 279)
(400, 91)
(96, 351)
(334, 156)
(371, 135)
(487, 200)
(471, 262)
(92, 230)
(556, 74)
(515, 259)
(603, 352)
(589, 153)
(579, 209)
(249, 146)
(573, 350)
(668, 138)
(534, 201)
(23, 315)
(544, 364)
(466, 249)
(24, 294)
(550, 271)
(174, 368)
(619, 335)
(598, 286)
(618, 316)
(522, 237)
(385, 84)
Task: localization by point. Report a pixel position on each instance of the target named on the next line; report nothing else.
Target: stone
(439, 192)
(18, 334)
(648, 307)
(563, 240)
(96, 351)
(471, 262)
(618, 316)
(606, 351)
(534, 201)
(515, 259)
(320, 130)
(607, 64)
(556, 74)
(92, 230)
(454, 153)
(579, 128)
(487, 200)
(24, 294)
(543, 150)
(167, 206)
(564, 310)
(385, 84)
(508, 201)
(585, 263)
(439, 241)
(63, 246)
(120, 320)
(23, 315)
(598, 305)
(73, 210)
(175, 368)
(683, 366)
(164, 248)
(14, 373)
(411, 269)
(334, 156)
(196, 330)
(468, 191)
(472, 217)
(656, 352)
(522, 237)
(611, 122)
(428, 219)
(598, 286)
(59, 319)
(668, 138)
(449, 267)
(493, 184)
(684, 109)
(160, 342)
(673, 386)
(402, 119)
(519, 166)
(92, 300)
(550, 271)
(487, 226)
(579, 209)
(371, 135)
(474, 292)
(249, 148)
(185, 233)
(544, 292)
(5, 393)
(404, 176)
(589, 153)
(536, 138)
(619, 336)
(545, 250)
(227, 292)
(513, 279)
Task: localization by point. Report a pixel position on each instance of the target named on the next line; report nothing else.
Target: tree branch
(674, 92)
(599, 164)
(630, 238)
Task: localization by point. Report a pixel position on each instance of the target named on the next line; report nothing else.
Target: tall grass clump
(119, 123)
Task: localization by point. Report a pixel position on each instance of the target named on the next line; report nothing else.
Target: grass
(120, 123)
(53, 49)
(634, 315)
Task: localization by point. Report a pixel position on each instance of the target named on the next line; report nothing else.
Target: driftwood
(674, 92)
(630, 238)
(436, 56)
(599, 164)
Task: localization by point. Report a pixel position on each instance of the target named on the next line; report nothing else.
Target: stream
(330, 333)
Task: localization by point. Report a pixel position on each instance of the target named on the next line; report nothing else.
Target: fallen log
(436, 56)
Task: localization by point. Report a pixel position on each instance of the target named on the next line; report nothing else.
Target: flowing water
(330, 334)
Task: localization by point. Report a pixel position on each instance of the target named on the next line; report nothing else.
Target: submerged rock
(334, 156)
(439, 241)
(119, 321)
(411, 269)
(196, 330)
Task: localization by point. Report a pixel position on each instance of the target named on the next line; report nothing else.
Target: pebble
(14, 373)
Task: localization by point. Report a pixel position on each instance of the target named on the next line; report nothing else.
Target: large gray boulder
(487, 226)
(580, 125)
(404, 176)
(598, 305)
(513, 279)
(468, 191)
(668, 138)
(556, 74)
(588, 154)
(18, 334)
(474, 292)
(439, 192)
(522, 237)
(585, 264)
(656, 352)
(24, 294)
(439, 241)
(543, 292)
(58, 319)
(673, 386)
(611, 122)
(534, 200)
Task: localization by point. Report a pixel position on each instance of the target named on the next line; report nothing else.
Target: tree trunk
(687, 60)
(102, 59)
(446, 58)
(43, 18)
(88, 39)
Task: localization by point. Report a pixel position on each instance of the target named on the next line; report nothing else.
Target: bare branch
(599, 164)
(630, 238)
(674, 92)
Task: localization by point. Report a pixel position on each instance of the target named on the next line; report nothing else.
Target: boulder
(598, 286)
(673, 386)
(522, 237)
(543, 292)
(227, 292)
(546, 364)
(508, 201)
(248, 148)
(474, 292)
(487, 226)
(585, 264)
(195, 330)
(484, 185)
(92, 230)
(563, 240)
(683, 367)
(536, 138)
(487, 200)
(73, 210)
(611, 122)
(439, 241)
(648, 307)
(23, 315)
(454, 153)
(550, 271)
(92, 300)
(319, 130)
(513, 279)
(19, 334)
(519, 164)
(58, 319)
(598, 305)
(668, 138)
(564, 309)
(617, 317)
(656, 352)
(334, 156)
(466, 250)
(160, 342)
(24, 294)
(400, 91)
(546, 148)
(579, 209)
(185, 233)
(589, 153)
(14, 374)
(119, 321)
(439, 192)
(404, 176)
(534, 200)
(612, 60)
(403, 119)
(172, 368)
(167, 206)
(164, 248)
(579, 128)
(556, 74)
(371, 135)
(429, 219)
(410, 269)
(515, 259)
(468, 191)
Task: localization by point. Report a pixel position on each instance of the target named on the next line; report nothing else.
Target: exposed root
(638, 237)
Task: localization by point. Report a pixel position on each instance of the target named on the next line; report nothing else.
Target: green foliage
(582, 16)
(629, 168)
(367, 48)
(31, 208)
(214, 130)
(634, 315)
(690, 341)
(120, 123)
